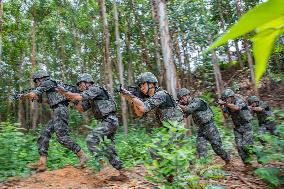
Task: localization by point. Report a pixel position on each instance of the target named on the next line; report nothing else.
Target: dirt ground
(70, 177)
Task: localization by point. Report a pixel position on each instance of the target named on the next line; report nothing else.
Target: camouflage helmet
(182, 92)
(85, 77)
(40, 74)
(146, 77)
(227, 93)
(253, 99)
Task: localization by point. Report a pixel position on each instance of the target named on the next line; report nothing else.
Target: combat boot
(83, 158)
(121, 177)
(42, 164)
(228, 165)
(34, 165)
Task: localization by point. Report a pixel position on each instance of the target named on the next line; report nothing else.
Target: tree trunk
(34, 105)
(251, 66)
(21, 112)
(217, 74)
(170, 69)
(120, 67)
(160, 68)
(106, 45)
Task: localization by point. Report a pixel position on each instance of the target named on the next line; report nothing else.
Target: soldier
(58, 123)
(241, 117)
(102, 104)
(158, 99)
(262, 111)
(203, 117)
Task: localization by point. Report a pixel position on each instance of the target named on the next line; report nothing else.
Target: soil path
(70, 177)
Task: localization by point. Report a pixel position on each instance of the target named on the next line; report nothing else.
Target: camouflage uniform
(59, 121)
(163, 105)
(202, 116)
(264, 123)
(167, 108)
(99, 100)
(243, 129)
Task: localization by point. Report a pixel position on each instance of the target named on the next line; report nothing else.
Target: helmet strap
(149, 88)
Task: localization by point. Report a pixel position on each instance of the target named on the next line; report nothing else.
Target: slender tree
(170, 69)
(106, 45)
(120, 66)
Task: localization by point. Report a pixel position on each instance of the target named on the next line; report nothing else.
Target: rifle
(19, 94)
(131, 91)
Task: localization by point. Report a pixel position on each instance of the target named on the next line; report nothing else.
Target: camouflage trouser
(209, 133)
(105, 129)
(244, 141)
(267, 126)
(59, 125)
(150, 121)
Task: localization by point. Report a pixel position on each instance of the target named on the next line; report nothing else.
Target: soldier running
(202, 116)
(160, 100)
(238, 110)
(58, 123)
(263, 112)
(98, 99)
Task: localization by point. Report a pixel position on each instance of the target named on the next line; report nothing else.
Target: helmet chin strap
(149, 88)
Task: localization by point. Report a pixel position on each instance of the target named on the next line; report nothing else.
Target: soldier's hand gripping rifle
(20, 94)
(131, 92)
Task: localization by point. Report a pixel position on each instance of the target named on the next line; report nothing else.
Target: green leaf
(253, 19)
(263, 43)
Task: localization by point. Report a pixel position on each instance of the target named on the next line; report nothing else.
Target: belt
(64, 103)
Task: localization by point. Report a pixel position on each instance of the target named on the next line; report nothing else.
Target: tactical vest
(242, 116)
(169, 110)
(203, 114)
(53, 96)
(262, 116)
(103, 104)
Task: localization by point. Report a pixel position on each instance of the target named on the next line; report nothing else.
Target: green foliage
(270, 174)
(267, 21)
(171, 155)
(132, 149)
(19, 148)
(15, 151)
(273, 151)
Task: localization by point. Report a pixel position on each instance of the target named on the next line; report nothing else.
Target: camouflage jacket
(166, 106)
(241, 116)
(200, 111)
(263, 115)
(48, 86)
(99, 100)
